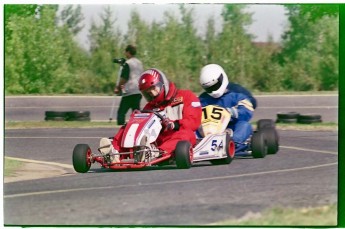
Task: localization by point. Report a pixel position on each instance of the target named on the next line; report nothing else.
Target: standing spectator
(127, 85)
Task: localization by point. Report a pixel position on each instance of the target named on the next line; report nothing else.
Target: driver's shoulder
(186, 93)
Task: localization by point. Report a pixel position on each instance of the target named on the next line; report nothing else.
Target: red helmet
(154, 77)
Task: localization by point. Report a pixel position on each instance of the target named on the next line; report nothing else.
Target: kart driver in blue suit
(215, 82)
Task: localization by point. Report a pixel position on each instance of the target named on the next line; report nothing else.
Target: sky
(268, 19)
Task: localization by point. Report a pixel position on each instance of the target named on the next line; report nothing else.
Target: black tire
(79, 119)
(286, 120)
(272, 140)
(230, 153)
(262, 123)
(184, 155)
(81, 158)
(78, 114)
(310, 116)
(308, 121)
(55, 114)
(288, 115)
(258, 145)
(54, 118)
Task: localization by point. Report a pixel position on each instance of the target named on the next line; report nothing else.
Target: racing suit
(234, 87)
(241, 109)
(184, 110)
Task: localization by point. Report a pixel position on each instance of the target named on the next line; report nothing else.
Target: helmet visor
(152, 92)
(215, 86)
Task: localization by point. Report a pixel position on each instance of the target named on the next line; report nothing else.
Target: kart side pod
(142, 129)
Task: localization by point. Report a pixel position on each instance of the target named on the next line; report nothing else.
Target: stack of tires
(67, 116)
(309, 118)
(294, 117)
(55, 116)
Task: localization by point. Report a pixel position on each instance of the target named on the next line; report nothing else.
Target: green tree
(139, 34)
(72, 18)
(138, 30)
(210, 42)
(317, 11)
(37, 55)
(179, 48)
(19, 10)
(152, 50)
(310, 51)
(235, 50)
(105, 40)
(191, 49)
(267, 73)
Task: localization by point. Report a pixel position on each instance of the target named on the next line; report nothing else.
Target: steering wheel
(155, 112)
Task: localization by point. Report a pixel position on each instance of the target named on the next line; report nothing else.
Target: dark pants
(127, 102)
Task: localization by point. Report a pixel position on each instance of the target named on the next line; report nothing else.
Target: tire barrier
(78, 116)
(294, 117)
(67, 116)
(309, 118)
(289, 117)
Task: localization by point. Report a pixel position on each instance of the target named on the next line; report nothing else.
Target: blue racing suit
(242, 111)
(234, 87)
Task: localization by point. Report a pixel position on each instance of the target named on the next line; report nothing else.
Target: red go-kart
(139, 147)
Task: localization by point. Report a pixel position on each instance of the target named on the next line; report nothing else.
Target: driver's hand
(233, 111)
(116, 91)
(168, 124)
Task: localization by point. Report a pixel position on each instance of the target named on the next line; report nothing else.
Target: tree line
(42, 55)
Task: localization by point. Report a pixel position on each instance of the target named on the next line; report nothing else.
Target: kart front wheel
(259, 145)
(81, 158)
(184, 155)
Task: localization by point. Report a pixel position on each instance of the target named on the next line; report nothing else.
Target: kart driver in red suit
(182, 108)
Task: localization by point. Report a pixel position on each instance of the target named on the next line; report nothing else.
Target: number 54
(214, 145)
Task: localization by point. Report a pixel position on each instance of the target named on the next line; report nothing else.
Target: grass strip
(106, 124)
(10, 166)
(307, 127)
(58, 124)
(316, 216)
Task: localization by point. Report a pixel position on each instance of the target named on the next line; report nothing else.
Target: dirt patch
(32, 171)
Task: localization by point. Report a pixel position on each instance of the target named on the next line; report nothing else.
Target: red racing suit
(185, 109)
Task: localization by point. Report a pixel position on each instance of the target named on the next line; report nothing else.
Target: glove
(168, 124)
(233, 111)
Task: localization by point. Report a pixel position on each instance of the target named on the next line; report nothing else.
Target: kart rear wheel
(81, 158)
(259, 145)
(272, 140)
(230, 153)
(184, 155)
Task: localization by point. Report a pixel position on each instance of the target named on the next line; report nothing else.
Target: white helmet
(214, 80)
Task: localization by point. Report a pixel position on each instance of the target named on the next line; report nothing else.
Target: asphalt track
(303, 173)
